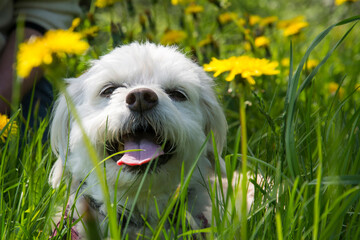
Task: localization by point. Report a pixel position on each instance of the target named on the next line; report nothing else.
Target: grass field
(302, 123)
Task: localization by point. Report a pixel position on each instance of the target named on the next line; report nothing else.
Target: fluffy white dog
(139, 96)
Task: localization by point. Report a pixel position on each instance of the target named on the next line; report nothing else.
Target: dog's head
(139, 96)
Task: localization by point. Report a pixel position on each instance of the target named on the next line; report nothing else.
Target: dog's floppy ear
(215, 120)
(59, 138)
(61, 117)
(60, 125)
(213, 113)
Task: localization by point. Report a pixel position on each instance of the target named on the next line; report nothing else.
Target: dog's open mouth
(141, 146)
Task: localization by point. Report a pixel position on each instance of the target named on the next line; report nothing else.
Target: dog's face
(139, 96)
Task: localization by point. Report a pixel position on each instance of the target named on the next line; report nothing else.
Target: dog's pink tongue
(149, 151)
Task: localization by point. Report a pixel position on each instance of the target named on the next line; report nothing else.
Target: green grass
(302, 138)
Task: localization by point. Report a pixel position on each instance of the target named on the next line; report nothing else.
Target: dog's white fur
(186, 124)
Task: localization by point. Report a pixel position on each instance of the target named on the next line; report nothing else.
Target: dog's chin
(116, 147)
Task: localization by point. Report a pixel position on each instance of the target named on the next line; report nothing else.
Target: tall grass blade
(293, 93)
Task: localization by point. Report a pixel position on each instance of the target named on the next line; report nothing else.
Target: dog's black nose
(141, 99)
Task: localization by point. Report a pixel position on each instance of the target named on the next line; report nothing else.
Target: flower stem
(244, 162)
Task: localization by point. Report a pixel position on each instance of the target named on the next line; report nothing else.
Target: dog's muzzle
(142, 144)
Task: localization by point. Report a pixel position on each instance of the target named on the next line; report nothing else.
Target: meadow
(293, 117)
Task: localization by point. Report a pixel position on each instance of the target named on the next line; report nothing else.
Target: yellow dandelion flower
(227, 17)
(339, 2)
(262, 41)
(282, 24)
(32, 54)
(333, 87)
(105, 3)
(206, 41)
(285, 62)
(311, 63)
(193, 8)
(66, 41)
(176, 2)
(247, 46)
(173, 37)
(268, 20)
(240, 22)
(39, 50)
(91, 31)
(292, 26)
(74, 24)
(247, 67)
(254, 19)
(10, 129)
(247, 31)
(295, 28)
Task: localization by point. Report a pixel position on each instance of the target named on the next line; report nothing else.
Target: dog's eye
(108, 90)
(177, 95)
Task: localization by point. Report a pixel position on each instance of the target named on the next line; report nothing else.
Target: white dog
(140, 96)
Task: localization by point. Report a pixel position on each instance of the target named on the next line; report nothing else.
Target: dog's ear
(60, 127)
(213, 113)
(214, 120)
(61, 117)
(214, 117)
(59, 139)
